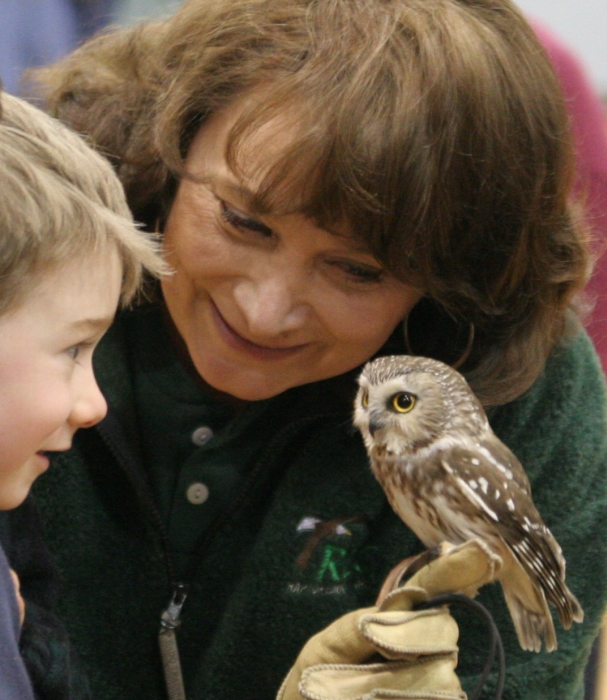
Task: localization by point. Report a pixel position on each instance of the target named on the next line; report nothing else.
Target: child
(69, 254)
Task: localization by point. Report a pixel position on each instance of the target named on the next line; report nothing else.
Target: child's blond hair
(59, 201)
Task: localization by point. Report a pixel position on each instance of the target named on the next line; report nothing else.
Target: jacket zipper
(169, 651)
(170, 617)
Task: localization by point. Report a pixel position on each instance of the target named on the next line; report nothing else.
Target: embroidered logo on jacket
(325, 564)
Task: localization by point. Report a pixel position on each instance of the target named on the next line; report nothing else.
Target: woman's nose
(90, 405)
(271, 306)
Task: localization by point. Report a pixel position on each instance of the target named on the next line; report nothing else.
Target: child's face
(47, 386)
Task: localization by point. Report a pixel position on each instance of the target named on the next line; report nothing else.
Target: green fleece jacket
(266, 581)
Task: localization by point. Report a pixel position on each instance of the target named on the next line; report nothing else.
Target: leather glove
(391, 650)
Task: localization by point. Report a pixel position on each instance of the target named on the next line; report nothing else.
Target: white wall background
(582, 24)
(131, 11)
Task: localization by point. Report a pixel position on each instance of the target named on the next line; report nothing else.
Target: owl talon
(461, 570)
(405, 570)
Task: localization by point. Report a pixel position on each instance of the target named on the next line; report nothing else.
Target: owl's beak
(375, 424)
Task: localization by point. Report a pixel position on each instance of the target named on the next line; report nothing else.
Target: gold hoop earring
(468, 349)
(464, 356)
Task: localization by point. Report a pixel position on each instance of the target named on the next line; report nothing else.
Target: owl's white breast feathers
(420, 521)
(395, 446)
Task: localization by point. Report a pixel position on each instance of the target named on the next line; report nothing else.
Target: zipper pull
(169, 622)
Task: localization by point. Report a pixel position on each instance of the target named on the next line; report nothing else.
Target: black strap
(495, 641)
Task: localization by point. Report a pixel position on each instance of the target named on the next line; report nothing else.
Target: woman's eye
(359, 273)
(242, 222)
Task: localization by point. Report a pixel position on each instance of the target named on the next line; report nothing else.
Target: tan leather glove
(418, 648)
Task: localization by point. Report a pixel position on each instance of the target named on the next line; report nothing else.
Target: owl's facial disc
(361, 411)
(400, 403)
(400, 411)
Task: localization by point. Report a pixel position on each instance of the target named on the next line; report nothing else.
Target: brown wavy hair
(435, 128)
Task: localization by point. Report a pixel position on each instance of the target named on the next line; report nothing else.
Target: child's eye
(74, 351)
(242, 222)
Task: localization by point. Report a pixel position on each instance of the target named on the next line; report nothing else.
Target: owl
(449, 478)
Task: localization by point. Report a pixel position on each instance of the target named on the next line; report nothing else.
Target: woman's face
(266, 303)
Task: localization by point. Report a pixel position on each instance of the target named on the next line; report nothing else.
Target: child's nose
(90, 407)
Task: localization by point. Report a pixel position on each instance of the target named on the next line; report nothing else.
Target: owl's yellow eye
(403, 402)
(365, 399)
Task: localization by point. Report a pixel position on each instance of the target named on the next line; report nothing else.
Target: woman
(334, 179)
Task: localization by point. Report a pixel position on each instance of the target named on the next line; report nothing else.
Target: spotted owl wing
(505, 461)
(496, 491)
(492, 480)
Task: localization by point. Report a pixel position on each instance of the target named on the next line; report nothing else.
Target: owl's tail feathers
(550, 572)
(531, 618)
(531, 615)
(567, 606)
(528, 599)
(527, 605)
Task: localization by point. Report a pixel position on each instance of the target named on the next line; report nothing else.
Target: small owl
(449, 477)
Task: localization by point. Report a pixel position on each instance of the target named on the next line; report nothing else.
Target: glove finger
(341, 642)
(432, 678)
(410, 634)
